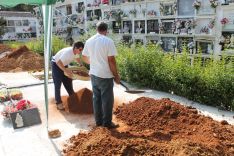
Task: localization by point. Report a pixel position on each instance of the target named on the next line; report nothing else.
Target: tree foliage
(2, 26)
(20, 7)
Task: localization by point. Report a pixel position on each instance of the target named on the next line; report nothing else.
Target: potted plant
(211, 24)
(197, 4)
(214, 3)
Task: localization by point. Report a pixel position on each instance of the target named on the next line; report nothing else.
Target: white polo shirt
(98, 48)
(66, 55)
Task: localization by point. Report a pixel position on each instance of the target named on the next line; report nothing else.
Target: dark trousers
(103, 99)
(59, 78)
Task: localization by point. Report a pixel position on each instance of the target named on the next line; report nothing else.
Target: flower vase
(190, 31)
(210, 31)
(196, 11)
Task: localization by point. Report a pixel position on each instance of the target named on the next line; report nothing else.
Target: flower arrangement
(117, 15)
(211, 24)
(193, 23)
(197, 4)
(161, 8)
(214, 3)
(205, 30)
(161, 28)
(14, 94)
(3, 96)
(174, 7)
(188, 24)
(133, 12)
(224, 21)
(178, 23)
(107, 15)
(173, 27)
(143, 12)
(94, 17)
(151, 13)
(19, 106)
(124, 15)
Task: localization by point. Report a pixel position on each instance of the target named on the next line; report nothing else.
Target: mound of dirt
(4, 48)
(21, 60)
(81, 102)
(16, 53)
(156, 127)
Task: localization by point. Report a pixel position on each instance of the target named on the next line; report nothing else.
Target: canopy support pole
(47, 22)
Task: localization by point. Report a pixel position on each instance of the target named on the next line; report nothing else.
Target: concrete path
(34, 140)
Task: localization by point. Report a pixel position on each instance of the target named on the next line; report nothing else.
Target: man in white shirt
(100, 52)
(59, 66)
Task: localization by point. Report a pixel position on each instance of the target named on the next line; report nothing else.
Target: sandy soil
(156, 127)
(21, 60)
(81, 102)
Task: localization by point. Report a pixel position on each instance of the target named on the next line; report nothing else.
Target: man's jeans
(59, 78)
(103, 99)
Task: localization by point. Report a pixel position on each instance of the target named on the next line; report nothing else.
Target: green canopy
(47, 21)
(11, 3)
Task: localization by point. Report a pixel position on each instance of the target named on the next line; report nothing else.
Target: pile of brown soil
(21, 60)
(81, 102)
(4, 48)
(156, 127)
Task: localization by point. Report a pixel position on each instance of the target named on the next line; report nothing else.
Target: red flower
(224, 21)
(23, 104)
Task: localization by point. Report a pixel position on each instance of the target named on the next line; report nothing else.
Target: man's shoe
(111, 126)
(60, 106)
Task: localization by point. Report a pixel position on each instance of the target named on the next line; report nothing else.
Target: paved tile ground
(34, 140)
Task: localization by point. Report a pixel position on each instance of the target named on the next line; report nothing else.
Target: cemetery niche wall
(172, 23)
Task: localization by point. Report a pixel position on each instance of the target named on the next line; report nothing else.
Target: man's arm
(86, 59)
(65, 70)
(113, 68)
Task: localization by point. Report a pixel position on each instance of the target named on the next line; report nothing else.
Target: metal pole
(47, 20)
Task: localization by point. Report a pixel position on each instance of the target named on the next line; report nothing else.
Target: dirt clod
(224, 122)
(54, 133)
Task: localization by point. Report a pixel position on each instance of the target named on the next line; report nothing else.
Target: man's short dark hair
(102, 26)
(78, 45)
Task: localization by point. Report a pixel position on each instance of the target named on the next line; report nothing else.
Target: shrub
(209, 81)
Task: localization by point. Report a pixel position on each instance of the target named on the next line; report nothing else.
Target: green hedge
(211, 82)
